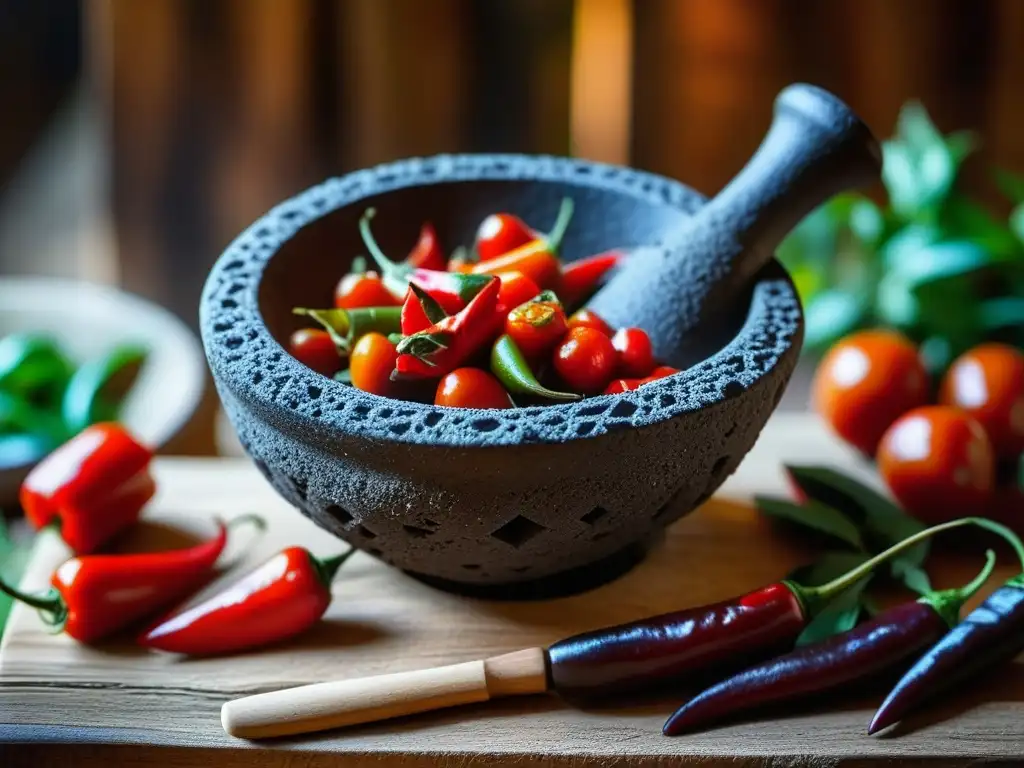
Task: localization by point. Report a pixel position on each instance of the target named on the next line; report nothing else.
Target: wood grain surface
(64, 704)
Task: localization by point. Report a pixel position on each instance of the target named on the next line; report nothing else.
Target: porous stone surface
(482, 497)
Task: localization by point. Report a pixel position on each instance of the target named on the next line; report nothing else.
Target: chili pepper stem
(250, 518)
(328, 568)
(813, 598)
(390, 269)
(948, 602)
(51, 604)
(557, 233)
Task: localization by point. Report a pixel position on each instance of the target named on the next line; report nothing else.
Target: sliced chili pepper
(538, 325)
(451, 289)
(992, 634)
(427, 253)
(446, 345)
(700, 644)
(94, 596)
(347, 326)
(95, 390)
(512, 370)
(537, 259)
(892, 639)
(93, 486)
(278, 600)
(581, 278)
(420, 310)
(500, 233)
(516, 288)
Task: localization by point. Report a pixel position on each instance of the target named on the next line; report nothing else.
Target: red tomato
(371, 363)
(500, 233)
(584, 318)
(988, 383)
(636, 356)
(471, 388)
(618, 386)
(314, 348)
(585, 360)
(536, 327)
(866, 382)
(364, 289)
(938, 463)
(516, 288)
(661, 372)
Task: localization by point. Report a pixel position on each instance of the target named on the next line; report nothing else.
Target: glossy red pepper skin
(582, 277)
(500, 233)
(989, 636)
(93, 486)
(677, 648)
(883, 644)
(280, 599)
(516, 289)
(416, 313)
(446, 345)
(427, 253)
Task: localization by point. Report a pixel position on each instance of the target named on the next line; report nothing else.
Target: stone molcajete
(541, 500)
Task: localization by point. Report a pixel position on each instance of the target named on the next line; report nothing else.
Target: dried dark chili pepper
(990, 635)
(280, 599)
(514, 372)
(452, 290)
(581, 278)
(446, 345)
(94, 596)
(700, 644)
(892, 639)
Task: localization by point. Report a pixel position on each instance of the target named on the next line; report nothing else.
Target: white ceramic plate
(87, 321)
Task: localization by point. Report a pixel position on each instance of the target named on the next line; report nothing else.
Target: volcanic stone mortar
(524, 502)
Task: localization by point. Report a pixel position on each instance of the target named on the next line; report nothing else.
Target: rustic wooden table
(62, 704)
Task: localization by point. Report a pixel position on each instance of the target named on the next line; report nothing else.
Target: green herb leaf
(1017, 221)
(1011, 184)
(841, 615)
(1004, 312)
(832, 314)
(98, 386)
(912, 576)
(813, 515)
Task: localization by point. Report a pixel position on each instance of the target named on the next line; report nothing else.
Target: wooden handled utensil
(816, 147)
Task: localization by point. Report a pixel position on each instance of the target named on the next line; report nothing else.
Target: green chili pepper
(97, 388)
(32, 367)
(512, 370)
(346, 325)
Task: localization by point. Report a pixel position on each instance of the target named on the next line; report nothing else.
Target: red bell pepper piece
(580, 278)
(427, 253)
(94, 596)
(93, 486)
(452, 290)
(281, 598)
(446, 345)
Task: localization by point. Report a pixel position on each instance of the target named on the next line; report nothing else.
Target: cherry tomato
(618, 386)
(938, 463)
(988, 383)
(471, 388)
(866, 382)
(500, 233)
(363, 289)
(314, 348)
(585, 359)
(635, 353)
(371, 363)
(584, 318)
(536, 327)
(516, 288)
(661, 372)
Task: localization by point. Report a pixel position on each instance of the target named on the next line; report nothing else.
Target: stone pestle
(686, 293)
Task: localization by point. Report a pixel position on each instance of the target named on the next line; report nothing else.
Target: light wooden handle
(322, 706)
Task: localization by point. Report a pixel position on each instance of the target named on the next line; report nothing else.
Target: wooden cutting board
(120, 705)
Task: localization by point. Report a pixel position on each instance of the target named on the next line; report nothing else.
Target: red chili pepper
(580, 278)
(516, 288)
(537, 259)
(451, 290)
(280, 599)
(892, 639)
(427, 253)
(93, 487)
(94, 596)
(500, 233)
(446, 345)
(538, 325)
(701, 643)
(420, 310)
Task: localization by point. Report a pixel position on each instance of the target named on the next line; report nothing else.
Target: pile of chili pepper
(45, 398)
(91, 490)
(491, 327)
(926, 631)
